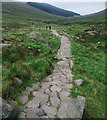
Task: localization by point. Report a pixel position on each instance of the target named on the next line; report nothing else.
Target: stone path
(51, 98)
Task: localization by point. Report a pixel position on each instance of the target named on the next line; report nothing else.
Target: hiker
(33, 25)
(49, 27)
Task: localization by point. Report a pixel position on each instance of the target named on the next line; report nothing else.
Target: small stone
(23, 99)
(78, 82)
(25, 92)
(36, 86)
(19, 82)
(55, 88)
(54, 101)
(22, 115)
(76, 90)
(29, 89)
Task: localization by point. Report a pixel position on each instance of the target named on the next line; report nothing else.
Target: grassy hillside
(29, 57)
(21, 13)
(52, 9)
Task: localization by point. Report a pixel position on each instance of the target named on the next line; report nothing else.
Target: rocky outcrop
(7, 110)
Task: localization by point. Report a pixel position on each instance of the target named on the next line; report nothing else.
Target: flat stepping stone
(53, 94)
(40, 97)
(63, 64)
(33, 103)
(23, 99)
(47, 91)
(55, 88)
(64, 94)
(69, 86)
(50, 111)
(54, 101)
(34, 112)
(72, 108)
(45, 85)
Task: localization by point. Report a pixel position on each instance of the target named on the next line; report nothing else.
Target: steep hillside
(52, 9)
(22, 13)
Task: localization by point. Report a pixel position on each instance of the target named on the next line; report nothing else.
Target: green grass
(29, 57)
(89, 65)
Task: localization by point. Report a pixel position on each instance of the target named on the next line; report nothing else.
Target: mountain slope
(52, 9)
(16, 12)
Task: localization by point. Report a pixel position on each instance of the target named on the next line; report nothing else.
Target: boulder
(19, 82)
(7, 110)
(72, 108)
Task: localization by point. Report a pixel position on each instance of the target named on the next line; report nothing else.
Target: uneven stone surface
(52, 95)
(50, 111)
(7, 110)
(54, 101)
(23, 99)
(71, 108)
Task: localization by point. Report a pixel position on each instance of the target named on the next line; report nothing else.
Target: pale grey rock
(25, 92)
(54, 101)
(71, 63)
(50, 111)
(36, 86)
(47, 91)
(34, 112)
(72, 108)
(69, 86)
(23, 99)
(45, 85)
(53, 94)
(55, 88)
(78, 82)
(29, 89)
(63, 64)
(19, 82)
(64, 94)
(34, 103)
(7, 110)
(76, 90)
(22, 115)
(39, 98)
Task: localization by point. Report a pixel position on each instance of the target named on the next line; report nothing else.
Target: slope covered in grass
(24, 14)
(29, 57)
